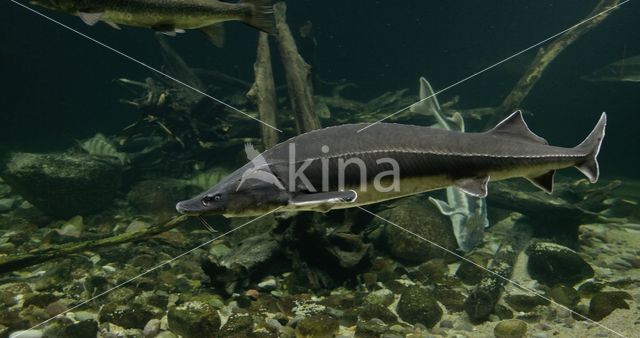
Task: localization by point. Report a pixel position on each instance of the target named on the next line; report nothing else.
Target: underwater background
(336, 274)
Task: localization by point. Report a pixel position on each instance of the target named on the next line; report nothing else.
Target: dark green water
(57, 86)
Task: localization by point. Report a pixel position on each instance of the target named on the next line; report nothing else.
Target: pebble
(152, 328)
(447, 324)
(27, 334)
(85, 315)
(510, 328)
(382, 296)
(268, 284)
(109, 268)
(137, 225)
(7, 204)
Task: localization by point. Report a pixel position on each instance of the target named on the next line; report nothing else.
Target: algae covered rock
(317, 326)
(238, 325)
(64, 185)
(524, 303)
(510, 328)
(383, 296)
(83, 329)
(128, 316)
(194, 319)
(419, 217)
(379, 311)
(603, 303)
(552, 264)
(416, 305)
(370, 328)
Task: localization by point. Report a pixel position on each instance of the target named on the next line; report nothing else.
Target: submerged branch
(546, 55)
(298, 74)
(263, 91)
(16, 262)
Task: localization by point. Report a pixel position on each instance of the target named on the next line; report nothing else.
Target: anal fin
(474, 186)
(113, 25)
(544, 181)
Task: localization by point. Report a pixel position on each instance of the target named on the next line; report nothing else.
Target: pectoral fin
(323, 201)
(169, 30)
(474, 186)
(90, 18)
(215, 34)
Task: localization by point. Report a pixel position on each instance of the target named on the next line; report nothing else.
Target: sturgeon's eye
(208, 199)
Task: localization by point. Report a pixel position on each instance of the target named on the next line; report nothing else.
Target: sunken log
(263, 91)
(546, 55)
(298, 74)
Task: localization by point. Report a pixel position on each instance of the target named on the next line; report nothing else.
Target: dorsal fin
(514, 126)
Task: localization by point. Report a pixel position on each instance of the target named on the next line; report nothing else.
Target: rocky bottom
(245, 285)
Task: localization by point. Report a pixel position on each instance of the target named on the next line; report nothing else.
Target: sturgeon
(468, 214)
(170, 16)
(344, 167)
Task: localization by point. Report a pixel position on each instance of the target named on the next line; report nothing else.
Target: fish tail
(262, 16)
(591, 146)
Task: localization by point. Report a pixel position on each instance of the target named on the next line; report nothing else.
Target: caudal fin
(262, 17)
(591, 147)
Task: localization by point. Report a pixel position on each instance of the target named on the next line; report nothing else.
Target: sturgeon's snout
(186, 208)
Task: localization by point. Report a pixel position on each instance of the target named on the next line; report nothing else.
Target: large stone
(552, 264)
(133, 316)
(64, 185)
(416, 305)
(194, 319)
(420, 217)
(159, 196)
(603, 303)
(83, 329)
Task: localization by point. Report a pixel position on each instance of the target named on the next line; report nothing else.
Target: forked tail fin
(262, 16)
(591, 147)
